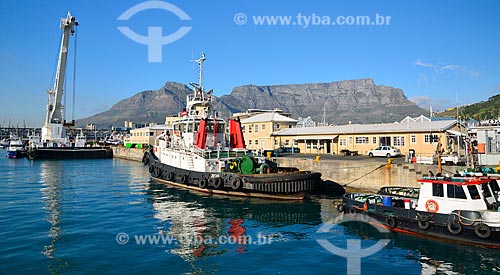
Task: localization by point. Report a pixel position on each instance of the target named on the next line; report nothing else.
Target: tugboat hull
(289, 184)
(70, 153)
(455, 227)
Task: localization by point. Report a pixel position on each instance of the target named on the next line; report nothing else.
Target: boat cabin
(444, 195)
(185, 132)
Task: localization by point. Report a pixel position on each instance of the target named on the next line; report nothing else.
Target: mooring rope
(382, 165)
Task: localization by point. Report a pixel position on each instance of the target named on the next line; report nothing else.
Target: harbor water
(107, 217)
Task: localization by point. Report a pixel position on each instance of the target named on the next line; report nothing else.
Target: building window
(430, 138)
(314, 144)
(374, 140)
(287, 142)
(256, 128)
(263, 127)
(151, 134)
(342, 142)
(493, 144)
(256, 142)
(243, 129)
(277, 126)
(275, 142)
(308, 144)
(362, 140)
(398, 141)
(350, 140)
(249, 129)
(290, 126)
(295, 142)
(413, 139)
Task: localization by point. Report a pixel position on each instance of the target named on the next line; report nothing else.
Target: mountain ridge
(356, 101)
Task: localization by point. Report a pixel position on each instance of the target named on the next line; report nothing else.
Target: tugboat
(196, 154)
(54, 142)
(457, 209)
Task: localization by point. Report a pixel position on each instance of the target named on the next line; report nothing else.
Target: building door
(328, 146)
(385, 141)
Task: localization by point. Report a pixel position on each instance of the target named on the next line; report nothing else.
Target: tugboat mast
(199, 86)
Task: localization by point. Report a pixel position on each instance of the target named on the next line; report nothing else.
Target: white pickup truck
(453, 160)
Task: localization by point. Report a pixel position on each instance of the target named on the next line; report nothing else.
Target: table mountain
(358, 101)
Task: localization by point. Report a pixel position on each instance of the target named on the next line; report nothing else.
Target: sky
(439, 53)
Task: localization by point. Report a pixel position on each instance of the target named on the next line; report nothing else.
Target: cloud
(425, 102)
(422, 64)
(474, 73)
(421, 100)
(450, 67)
(457, 69)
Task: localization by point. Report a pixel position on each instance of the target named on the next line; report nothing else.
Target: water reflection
(435, 257)
(51, 179)
(199, 221)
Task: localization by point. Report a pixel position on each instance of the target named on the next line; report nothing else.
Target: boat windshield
(474, 193)
(456, 191)
(486, 190)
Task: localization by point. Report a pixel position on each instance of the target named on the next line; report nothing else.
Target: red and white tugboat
(458, 209)
(198, 153)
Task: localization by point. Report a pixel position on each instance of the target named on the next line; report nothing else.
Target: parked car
(289, 150)
(384, 151)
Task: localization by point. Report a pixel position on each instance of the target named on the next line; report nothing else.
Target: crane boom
(53, 128)
(54, 107)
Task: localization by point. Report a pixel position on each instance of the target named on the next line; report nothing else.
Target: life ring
(145, 160)
(169, 176)
(482, 230)
(182, 179)
(236, 183)
(217, 183)
(454, 226)
(202, 183)
(432, 206)
(158, 172)
(151, 168)
(391, 221)
(176, 132)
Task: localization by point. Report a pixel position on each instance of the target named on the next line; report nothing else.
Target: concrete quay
(364, 173)
(128, 153)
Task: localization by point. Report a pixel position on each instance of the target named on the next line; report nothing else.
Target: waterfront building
(143, 137)
(419, 134)
(258, 129)
(486, 141)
